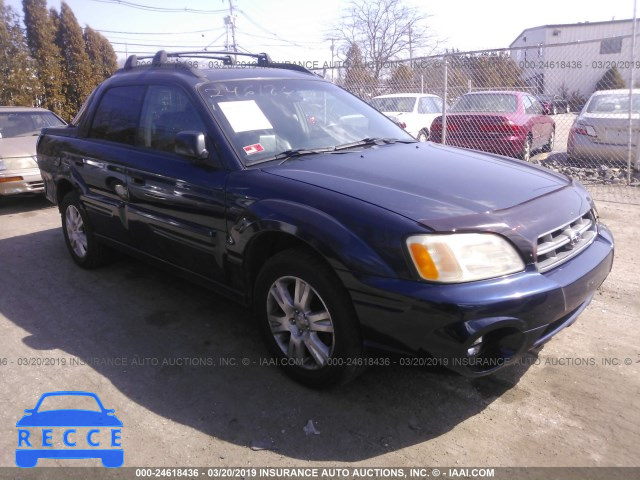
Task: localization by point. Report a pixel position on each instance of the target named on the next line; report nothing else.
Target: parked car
(342, 234)
(414, 112)
(553, 104)
(601, 132)
(503, 122)
(19, 130)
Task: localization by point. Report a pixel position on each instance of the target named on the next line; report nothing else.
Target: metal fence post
(444, 102)
(631, 80)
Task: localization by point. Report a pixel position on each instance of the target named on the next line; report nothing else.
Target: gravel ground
(577, 404)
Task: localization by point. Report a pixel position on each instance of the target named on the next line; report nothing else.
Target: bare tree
(384, 30)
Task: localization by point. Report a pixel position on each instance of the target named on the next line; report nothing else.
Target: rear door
(99, 161)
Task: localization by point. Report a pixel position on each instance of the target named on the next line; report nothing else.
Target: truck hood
(425, 181)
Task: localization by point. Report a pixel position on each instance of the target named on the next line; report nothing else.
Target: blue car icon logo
(69, 433)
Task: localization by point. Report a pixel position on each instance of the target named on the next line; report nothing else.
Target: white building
(574, 56)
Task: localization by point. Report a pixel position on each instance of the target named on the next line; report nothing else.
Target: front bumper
(513, 314)
(15, 182)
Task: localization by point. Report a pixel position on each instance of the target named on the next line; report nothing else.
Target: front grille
(564, 242)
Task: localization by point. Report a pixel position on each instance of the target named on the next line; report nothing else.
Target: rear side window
(117, 116)
(429, 105)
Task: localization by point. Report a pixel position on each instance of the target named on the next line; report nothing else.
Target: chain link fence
(566, 106)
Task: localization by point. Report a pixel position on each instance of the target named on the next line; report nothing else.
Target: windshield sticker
(245, 116)
(251, 149)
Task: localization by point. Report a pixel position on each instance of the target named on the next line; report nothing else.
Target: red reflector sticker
(251, 149)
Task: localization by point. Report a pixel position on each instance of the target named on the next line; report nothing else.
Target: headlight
(463, 257)
(18, 163)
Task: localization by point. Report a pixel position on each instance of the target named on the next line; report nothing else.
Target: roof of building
(579, 24)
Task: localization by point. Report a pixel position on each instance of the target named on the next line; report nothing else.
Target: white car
(413, 111)
(19, 130)
(601, 132)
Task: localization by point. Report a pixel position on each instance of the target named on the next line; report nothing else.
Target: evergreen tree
(19, 84)
(357, 78)
(101, 55)
(401, 79)
(41, 36)
(77, 72)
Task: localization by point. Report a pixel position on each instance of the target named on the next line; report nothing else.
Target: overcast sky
(298, 30)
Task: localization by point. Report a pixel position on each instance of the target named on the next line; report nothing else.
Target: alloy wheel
(75, 231)
(300, 322)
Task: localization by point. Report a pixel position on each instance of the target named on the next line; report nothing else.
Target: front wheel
(307, 319)
(423, 136)
(81, 242)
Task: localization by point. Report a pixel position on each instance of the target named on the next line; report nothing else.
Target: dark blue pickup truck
(288, 194)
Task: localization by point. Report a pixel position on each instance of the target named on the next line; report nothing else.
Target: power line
(159, 9)
(156, 45)
(257, 24)
(281, 39)
(159, 33)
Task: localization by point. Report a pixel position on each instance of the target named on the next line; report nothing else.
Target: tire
(423, 136)
(554, 110)
(567, 109)
(525, 154)
(81, 242)
(292, 287)
(549, 146)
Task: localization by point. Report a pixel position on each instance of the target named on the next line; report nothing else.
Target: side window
(536, 107)
(167, 110)
(427, 105)
(116, 118)
(528, 104)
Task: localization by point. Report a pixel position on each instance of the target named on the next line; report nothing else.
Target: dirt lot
(110, 331)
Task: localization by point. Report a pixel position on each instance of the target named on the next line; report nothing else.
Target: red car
(503, 122)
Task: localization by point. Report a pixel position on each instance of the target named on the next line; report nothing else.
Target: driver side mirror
(191, 143)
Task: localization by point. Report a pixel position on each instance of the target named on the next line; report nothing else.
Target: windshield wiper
(299, 152)
(291, 153)
(365, 142)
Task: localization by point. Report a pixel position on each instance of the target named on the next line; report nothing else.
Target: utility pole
(230, 21)
(410, 45)
(332, 50)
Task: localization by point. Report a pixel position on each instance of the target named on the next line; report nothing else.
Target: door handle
(92, 163)
(138, 180)
(121, 191)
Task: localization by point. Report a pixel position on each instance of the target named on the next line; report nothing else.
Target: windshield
(614, 103)
(23, 124)
(69, 402)
(264, 117)
(394, 104)
(486, 102)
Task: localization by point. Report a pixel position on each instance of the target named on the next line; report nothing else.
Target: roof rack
(227, 58)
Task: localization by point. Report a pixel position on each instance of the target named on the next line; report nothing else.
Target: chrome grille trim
(562, 243)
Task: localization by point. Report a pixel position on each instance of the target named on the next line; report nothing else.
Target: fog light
(475, 347)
